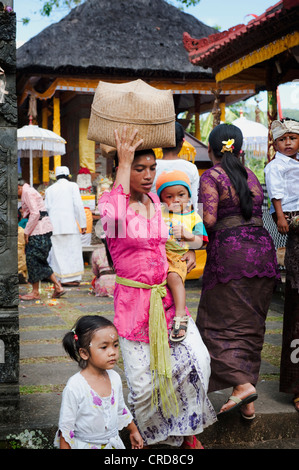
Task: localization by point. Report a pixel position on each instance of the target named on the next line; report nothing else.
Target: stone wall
(9, 319)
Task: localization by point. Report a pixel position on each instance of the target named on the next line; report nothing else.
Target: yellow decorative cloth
(160, 363)
(266, 52)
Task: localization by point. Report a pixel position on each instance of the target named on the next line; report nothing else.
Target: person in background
(37, 233)
(282, 180)
(22, 222)
(86, 236)
(103, 283)
(65, 208)
(240, 273)
(22, 267)
(172, 161)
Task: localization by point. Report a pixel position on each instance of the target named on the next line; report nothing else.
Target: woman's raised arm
(125, 152)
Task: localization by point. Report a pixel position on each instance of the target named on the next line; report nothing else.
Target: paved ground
(44, 370)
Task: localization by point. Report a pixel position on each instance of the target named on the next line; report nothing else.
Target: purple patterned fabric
(242, 250)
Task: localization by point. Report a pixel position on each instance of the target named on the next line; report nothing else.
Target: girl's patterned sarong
(190, 374)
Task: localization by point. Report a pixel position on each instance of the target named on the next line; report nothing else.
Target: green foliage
(189, 3)
(291, 113)
(257, 165)
(50, 4)
(28, 440)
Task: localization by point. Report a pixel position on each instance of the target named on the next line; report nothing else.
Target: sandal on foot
(247, 417)
(56, 294)
(29, 297)
(176, 327)
(239, 402)
(192, 444)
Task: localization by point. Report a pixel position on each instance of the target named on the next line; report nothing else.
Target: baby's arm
(282, 224)
(135, 437)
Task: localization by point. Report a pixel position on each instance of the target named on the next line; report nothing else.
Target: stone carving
(9, 298)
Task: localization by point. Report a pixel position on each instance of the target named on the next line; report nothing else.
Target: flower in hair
(75, 336)
(228, 145)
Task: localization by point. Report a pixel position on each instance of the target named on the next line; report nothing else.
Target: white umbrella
(255, 135)
(34, 140)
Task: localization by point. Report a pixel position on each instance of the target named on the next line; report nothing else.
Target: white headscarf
(287, 126)
(62, 170)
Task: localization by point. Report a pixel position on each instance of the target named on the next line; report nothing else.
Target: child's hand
(135, 437)
(282, 225)
(136, 440)
(181, 233)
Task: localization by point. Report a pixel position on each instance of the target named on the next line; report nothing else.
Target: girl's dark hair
(81, 334)
(231, 163)
(179, 137)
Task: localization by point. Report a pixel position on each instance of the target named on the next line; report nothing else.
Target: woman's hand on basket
(125, 153)
(125, 147)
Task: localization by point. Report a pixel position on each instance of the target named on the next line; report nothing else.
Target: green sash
(160, 363)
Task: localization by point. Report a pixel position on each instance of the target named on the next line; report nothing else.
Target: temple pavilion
(264, 52)
(113, 41)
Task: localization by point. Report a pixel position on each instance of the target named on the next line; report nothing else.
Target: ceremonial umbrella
(255, 136)
(34, 140)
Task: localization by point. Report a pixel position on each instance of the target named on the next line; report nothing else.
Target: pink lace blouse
(236, 251)
(32, 204)
(137, 247)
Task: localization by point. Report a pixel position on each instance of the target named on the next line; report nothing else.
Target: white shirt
(88, 421)
(65, 207)
(282, 180)
(182, 165)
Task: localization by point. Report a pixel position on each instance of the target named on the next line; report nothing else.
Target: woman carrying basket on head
(167, 382)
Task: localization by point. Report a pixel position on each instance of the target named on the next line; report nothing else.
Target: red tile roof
(222, 48)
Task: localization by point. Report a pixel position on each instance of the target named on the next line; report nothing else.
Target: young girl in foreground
(93, 408)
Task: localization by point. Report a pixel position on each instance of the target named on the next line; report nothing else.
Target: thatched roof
(115, 37)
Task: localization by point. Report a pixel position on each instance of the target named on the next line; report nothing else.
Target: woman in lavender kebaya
(240, 272)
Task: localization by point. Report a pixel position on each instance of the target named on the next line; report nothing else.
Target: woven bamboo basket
(135, 105)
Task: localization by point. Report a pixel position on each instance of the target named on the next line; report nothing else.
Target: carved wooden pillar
(9, 288)
(216, 111)
(271, 84)
(197, 117)
(56, 126)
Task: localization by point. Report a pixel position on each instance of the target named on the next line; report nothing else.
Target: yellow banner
(260, 55)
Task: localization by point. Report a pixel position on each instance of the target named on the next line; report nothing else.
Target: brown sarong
(231, 320)
(289, 365)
